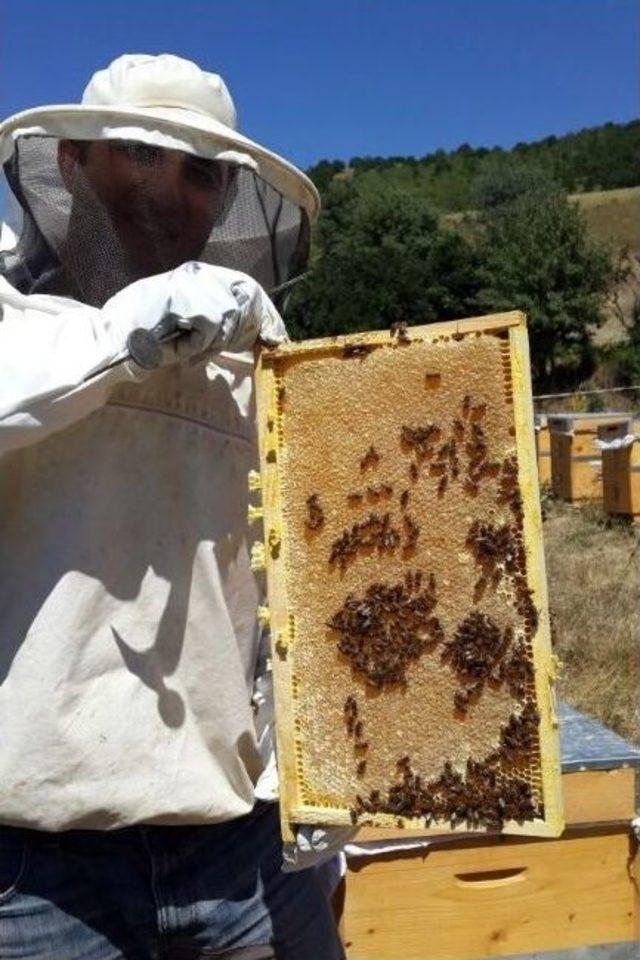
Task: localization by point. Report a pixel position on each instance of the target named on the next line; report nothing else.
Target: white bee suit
(134, 679)
(128, 609)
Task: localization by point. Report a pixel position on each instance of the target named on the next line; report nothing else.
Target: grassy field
(593, 570)
(613, 216)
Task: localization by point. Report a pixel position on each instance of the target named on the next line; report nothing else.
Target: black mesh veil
(98, 215)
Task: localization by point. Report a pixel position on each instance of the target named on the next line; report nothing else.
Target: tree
(536, 256)
(381, 257)
(323, 173)
(602, 157)
(622, 358)
(505, 181)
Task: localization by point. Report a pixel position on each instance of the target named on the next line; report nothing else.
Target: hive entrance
(408, 585)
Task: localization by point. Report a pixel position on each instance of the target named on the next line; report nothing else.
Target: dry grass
(613, 216)
(593, 570)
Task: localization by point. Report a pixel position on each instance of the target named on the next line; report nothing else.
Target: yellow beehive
(407, 596)
(543, 449)
(576, 464)
(620, 469)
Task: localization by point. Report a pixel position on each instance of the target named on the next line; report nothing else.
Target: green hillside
(592, 160)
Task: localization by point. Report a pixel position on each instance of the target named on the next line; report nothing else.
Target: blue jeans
(161, 893)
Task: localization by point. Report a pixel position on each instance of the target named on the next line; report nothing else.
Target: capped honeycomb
(407, 599)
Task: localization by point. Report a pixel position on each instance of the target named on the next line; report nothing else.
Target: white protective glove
(59, 358)
(215, 308)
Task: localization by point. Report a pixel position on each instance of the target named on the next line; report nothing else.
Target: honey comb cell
(417, 682)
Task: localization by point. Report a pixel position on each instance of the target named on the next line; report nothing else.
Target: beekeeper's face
(161, 204)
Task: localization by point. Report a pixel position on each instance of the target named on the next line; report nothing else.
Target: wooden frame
(271, 554)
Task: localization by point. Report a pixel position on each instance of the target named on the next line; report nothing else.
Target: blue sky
(334, 79)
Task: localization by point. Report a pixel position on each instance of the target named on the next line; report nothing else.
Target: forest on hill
(597, 158)
(409, 240)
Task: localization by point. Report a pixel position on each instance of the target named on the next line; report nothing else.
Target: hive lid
(600, 417)
(588, 745)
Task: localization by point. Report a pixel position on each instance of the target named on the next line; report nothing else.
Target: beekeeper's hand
(213, 308)
(59, 359)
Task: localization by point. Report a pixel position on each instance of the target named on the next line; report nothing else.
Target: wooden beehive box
(576, 464)
(476, 897)
(543, 449)
(408, 610)
(620, 470)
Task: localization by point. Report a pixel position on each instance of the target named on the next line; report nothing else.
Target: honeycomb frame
(296, 799)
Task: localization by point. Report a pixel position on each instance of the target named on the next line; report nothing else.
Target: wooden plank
(492, 901)
(281, 628)
(599, 795)
(544, 660)
(621, 480)
(543, 452)
(382, 824)
(493, 322)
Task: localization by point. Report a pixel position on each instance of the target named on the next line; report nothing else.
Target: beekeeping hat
(146, 172)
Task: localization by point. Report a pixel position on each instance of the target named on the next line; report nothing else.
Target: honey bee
(478, 412)
(400, 329)
(412, 532)
(315, 517)
(360, 350)
(370, 459)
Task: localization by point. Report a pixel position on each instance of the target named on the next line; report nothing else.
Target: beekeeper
(134, 775)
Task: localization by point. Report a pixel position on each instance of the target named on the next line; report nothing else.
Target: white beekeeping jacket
(128, 607)
(134, 684)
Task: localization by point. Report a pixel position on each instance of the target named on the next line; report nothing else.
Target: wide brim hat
(72, 240)
(165, 101)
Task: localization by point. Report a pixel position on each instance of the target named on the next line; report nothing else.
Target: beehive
(576, 464)
(543, 449)
(620, 469)
(407, 598)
